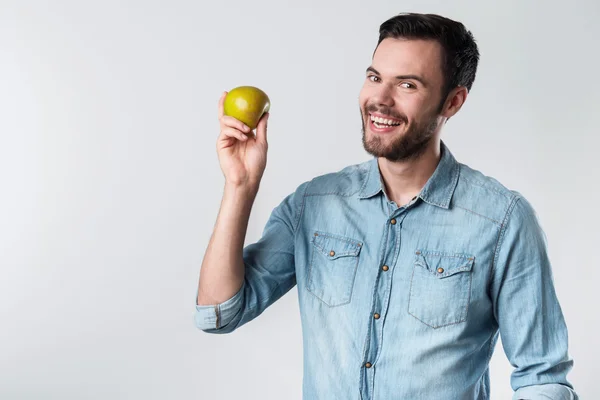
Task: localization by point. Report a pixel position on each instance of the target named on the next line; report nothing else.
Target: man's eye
(407, 85)
(373, 78)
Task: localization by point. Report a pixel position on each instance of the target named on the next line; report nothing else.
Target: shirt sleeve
(531, 323)
(269, 271)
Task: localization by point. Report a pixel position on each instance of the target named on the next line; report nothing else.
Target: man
(409, 265)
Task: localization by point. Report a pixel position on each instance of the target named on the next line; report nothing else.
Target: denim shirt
(408, 302)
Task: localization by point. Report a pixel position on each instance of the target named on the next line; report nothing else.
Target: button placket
(393, 226)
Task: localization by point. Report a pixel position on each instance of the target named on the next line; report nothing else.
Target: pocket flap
(335, 246)
(443, 264)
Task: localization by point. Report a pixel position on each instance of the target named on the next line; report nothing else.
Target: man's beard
(411, 145)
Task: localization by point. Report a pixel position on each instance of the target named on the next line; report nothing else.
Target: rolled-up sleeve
(270, 271)
(211, 318)
(550, 391)
(531, 323)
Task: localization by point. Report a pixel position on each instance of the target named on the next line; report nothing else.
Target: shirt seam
(489, 189)
(479, 215)
(299, 216)
(501, 236)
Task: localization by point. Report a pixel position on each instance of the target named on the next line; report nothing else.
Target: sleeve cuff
(551, 391)
(214, 317)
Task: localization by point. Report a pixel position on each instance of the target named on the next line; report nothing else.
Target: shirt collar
(437, 191)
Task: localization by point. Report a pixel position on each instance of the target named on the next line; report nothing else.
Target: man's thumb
(261, 128)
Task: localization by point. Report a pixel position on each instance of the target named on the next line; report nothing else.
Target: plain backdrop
(111, 183)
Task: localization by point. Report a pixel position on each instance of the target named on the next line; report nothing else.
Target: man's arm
(530, 319)
(243, 159)
(222, 270)
(267, 271)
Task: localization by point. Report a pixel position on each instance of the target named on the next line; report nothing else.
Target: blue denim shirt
(408, 302)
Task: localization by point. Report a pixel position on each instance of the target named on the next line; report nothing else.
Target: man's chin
(377, 150)
(393, 152)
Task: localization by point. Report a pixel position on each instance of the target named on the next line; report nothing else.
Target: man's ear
(454, 101)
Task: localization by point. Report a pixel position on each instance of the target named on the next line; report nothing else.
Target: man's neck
(404, 180)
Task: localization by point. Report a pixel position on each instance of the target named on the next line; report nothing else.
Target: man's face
(403, 86)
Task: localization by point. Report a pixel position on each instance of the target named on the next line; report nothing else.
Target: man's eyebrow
(400, 77)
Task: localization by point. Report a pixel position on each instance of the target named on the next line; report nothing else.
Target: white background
(111, 184)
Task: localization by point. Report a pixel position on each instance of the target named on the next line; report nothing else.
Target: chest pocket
(332, 268)
(440, 287)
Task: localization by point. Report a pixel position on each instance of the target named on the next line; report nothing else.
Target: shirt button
(368, 365)
(376, 316)
(440, 270)
(332, 253)
(393, 221)
(385, 268)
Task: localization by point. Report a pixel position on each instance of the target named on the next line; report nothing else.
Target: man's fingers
(231, 122)
(233, 133)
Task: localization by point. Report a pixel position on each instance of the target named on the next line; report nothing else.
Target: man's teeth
(381, 122)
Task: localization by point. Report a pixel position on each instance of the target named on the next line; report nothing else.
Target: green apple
(247, 104)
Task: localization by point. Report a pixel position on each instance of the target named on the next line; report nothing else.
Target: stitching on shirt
(445, 254)
(339, 237)
(474, 183)
(511, 207)
(218, 314)
(333, 194)
(491, 348)
(387, 293)
(297, 222)
(381, 252)
(466, 312)
(482, 216)
(396, 253)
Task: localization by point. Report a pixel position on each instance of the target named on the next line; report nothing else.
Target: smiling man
(409, 266)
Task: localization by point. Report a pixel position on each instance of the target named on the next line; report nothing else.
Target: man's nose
(384, 96)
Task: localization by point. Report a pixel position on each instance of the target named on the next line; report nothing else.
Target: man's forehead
(407, 56)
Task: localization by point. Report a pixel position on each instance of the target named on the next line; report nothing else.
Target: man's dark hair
(460, 53)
